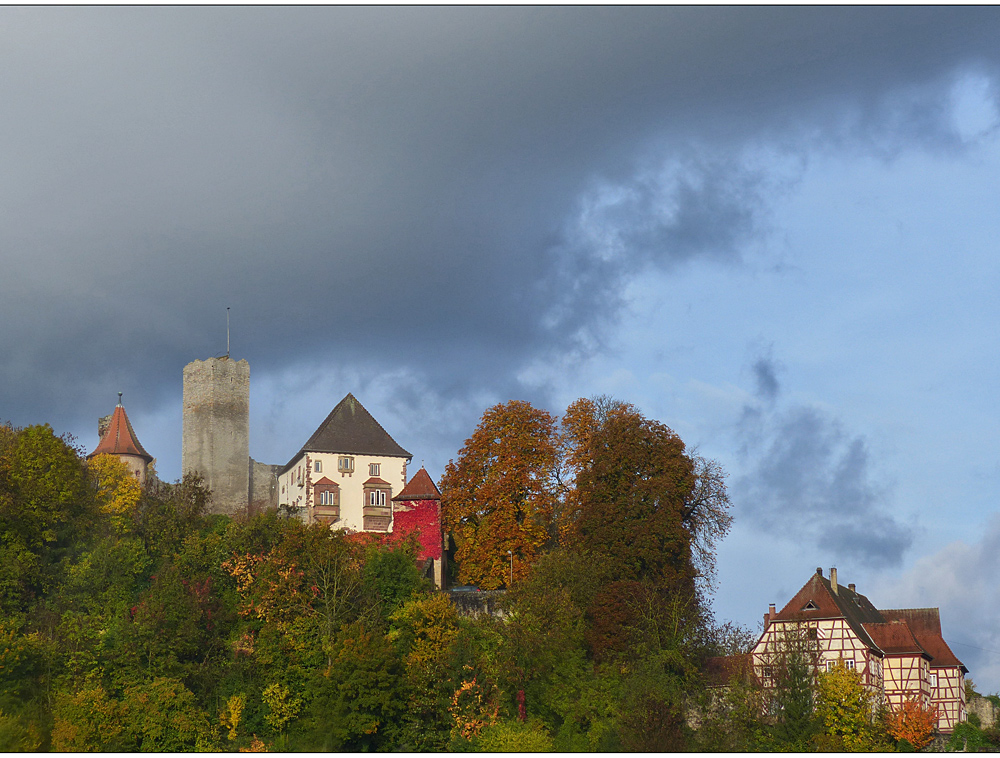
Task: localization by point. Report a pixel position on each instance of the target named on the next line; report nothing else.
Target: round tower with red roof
(119, 439)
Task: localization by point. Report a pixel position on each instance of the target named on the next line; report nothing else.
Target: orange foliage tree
(500, 494)
(914, 722)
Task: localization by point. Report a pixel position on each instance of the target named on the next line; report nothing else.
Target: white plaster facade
(297, 488)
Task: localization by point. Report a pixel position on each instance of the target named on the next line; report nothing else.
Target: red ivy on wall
(421, 517)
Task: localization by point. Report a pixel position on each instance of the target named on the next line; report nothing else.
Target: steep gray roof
(352, 430)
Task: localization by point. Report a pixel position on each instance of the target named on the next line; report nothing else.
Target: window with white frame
(345, 464)
(373, 469)
(376, 498)
(934, 681)
(849, 664)
(328, 497)
(318, 466)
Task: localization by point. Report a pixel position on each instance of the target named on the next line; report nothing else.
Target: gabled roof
(925, 623)
(352, 430)
(895, 638)
(120, 438)
(420, 487)
(845, 603)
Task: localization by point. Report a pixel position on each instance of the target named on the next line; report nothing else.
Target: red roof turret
(120, 438)
(420, 487)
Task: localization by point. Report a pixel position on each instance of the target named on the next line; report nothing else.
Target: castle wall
(263, 486)
(216, 430)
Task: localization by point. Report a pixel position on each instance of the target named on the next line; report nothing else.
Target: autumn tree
(118, 490)
(847, 712)
(633, 482)
(499, 495)
(913, 722)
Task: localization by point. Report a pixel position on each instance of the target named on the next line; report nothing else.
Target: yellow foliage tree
(282, 706)
(847, 712)
(118, 491)
(231, 714)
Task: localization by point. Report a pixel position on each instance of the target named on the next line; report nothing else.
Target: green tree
(391, 577)
(515, 737)
(47, 509)
(499, 495)
(426, 632)
(361, 704)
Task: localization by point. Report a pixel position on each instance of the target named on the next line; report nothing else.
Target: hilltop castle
(324, 482)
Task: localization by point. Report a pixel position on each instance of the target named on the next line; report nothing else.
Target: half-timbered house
(899, 654)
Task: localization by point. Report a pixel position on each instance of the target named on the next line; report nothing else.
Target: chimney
(851, 588)
(833, 580)
(819, 571)
(771, 611)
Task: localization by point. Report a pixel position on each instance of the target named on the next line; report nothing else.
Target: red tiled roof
(120, 438)
(925, 624)
(326, 480)
(420, 487)
(376, 482)
(912, 630)
(852, 606)
(895, 638)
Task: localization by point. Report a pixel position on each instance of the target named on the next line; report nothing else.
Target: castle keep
(216, 436)
(350, 474)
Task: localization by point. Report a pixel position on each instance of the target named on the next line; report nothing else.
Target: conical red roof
(420, 487)
(120, 438)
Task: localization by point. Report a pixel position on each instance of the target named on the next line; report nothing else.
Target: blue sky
(772, 229)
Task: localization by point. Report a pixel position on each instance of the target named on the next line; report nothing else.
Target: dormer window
(811, 606)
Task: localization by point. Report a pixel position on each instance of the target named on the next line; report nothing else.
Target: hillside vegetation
(132, 621)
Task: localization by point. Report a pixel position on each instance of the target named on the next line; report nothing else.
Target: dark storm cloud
(810, 480)
(391, 187)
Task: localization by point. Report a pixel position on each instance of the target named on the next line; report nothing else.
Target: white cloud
(963, 580)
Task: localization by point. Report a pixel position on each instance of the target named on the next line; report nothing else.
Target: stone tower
(216, 430)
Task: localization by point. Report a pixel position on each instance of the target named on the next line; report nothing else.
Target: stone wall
(475, 603)
(216, 430)
(984, 709)
(263, 486)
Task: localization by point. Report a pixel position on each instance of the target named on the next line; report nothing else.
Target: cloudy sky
(773, 229)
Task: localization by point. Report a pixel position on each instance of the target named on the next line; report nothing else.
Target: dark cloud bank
(451, 191)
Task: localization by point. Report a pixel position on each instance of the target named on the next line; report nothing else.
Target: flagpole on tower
(227, 331)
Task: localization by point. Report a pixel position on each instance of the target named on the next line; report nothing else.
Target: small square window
(849, 664)
(373, 469)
